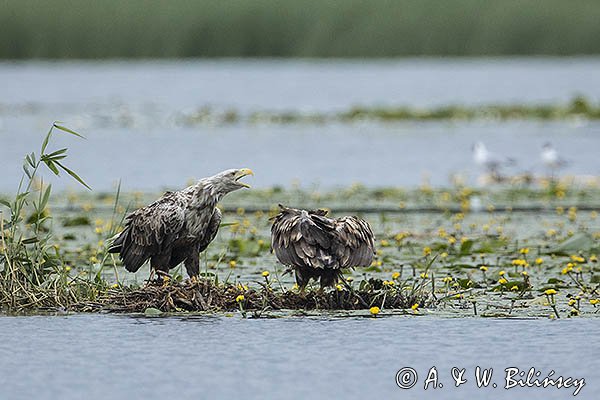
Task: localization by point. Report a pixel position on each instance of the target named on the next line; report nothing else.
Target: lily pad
(576, 243)
(152, 312)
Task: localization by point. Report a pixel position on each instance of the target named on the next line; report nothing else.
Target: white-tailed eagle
(318, 247)
(177, 227)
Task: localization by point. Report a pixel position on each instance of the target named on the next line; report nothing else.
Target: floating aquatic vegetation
(578, 107)
(79, 220)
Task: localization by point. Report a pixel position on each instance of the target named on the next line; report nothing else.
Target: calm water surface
(129, 113)
(124, 357)
(299, 84)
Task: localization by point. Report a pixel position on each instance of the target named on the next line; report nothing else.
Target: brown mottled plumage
(319, 247)
(177, 227)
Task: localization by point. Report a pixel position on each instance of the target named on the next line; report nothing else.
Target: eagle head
(229, 180)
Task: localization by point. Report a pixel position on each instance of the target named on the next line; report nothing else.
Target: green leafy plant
(32, 273)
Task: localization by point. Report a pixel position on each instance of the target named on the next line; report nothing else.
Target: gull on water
(551, 159)
(488, 160)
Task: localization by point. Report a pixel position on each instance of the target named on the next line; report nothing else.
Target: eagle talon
(150, 279)
(194, 280)
(162, 278)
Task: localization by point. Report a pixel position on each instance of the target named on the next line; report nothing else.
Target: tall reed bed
(286, 28)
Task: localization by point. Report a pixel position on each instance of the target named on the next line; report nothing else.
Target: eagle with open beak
(178, 226)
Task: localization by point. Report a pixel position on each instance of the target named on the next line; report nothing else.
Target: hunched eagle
(318, 247)
(178, 226)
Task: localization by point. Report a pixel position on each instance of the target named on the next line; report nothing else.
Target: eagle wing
(150, 230)
(303, 239)
(211, 230)
(191, 254)
(354, 244)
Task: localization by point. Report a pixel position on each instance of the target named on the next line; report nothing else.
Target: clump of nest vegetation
(206, 295)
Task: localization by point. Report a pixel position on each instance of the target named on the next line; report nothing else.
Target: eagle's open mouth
(242, 173)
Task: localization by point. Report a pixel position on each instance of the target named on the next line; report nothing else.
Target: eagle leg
(302, 278)
(160, 265)
(192, 263)
(329, 278)
(150, 278)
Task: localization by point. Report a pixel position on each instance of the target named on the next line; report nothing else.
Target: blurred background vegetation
(290, 28)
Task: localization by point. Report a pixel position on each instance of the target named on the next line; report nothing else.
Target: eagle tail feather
(132, 255)
(117, 243)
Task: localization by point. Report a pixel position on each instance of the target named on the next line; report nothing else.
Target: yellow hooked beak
(241, 173)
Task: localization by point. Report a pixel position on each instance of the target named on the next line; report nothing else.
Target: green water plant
(32, 273)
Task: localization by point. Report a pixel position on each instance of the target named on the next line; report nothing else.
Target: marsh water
(124, 357)
(130, 113)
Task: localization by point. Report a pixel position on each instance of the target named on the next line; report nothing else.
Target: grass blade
(46, 140)
(51, 166)
(73, 174)
(55, 153)
(45, 197)
(65, 129)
